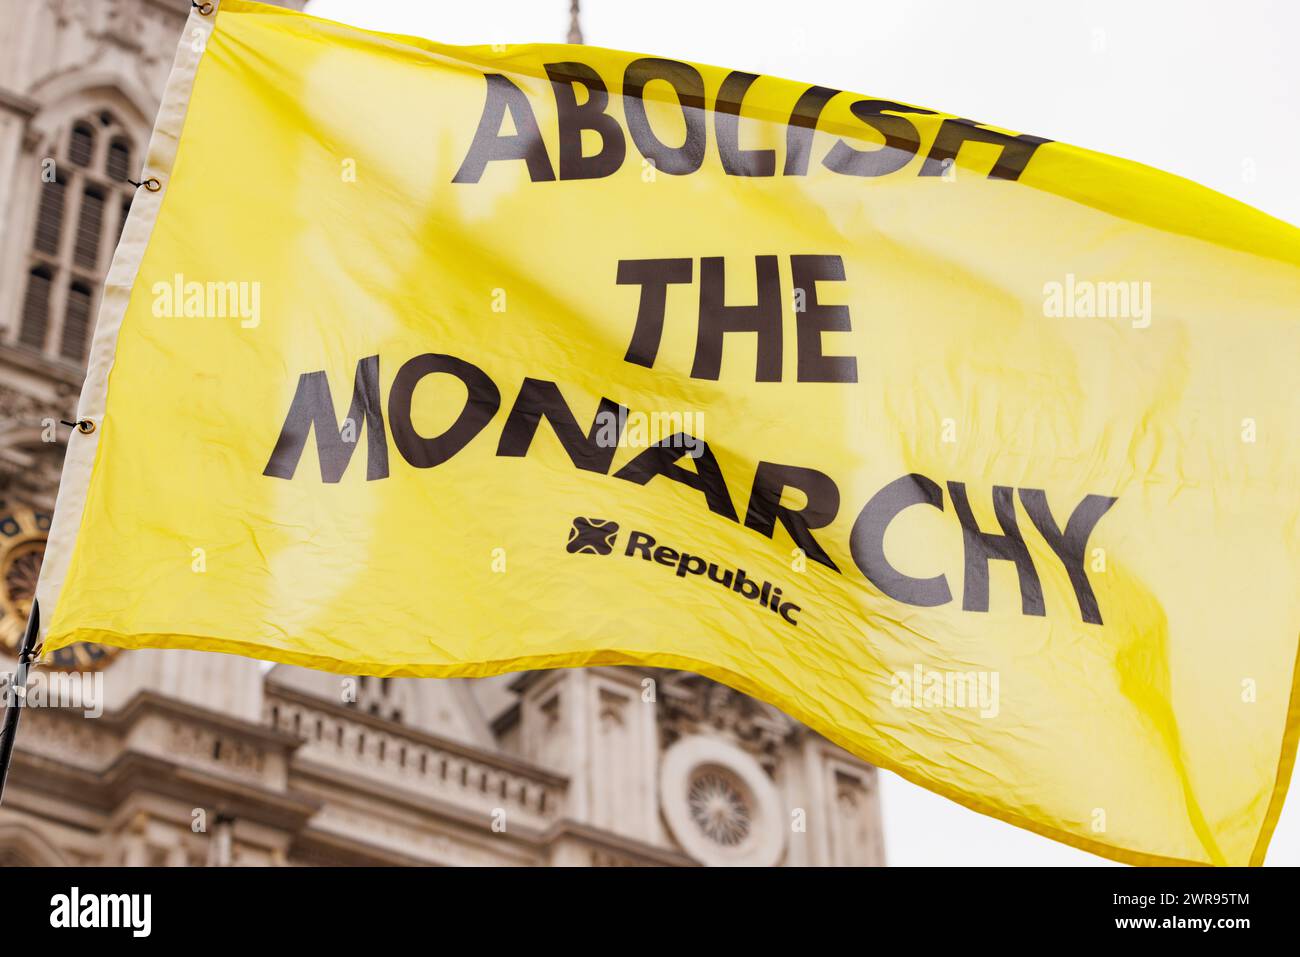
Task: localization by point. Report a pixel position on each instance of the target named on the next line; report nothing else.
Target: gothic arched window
(83, 203)
(36, 307)
(119, 159)
(81, 144)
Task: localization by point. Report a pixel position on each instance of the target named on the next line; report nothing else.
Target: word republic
(312, 410)
(884, 118)
(767, 594)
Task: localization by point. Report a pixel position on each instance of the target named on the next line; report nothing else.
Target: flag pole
(27, 648)
(575, 23)
(18, 692)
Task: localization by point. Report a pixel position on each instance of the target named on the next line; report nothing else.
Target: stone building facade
(210, 759)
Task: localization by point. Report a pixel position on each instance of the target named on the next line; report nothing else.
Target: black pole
(18, 693)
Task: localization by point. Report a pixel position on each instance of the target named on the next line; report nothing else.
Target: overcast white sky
(1207, 90)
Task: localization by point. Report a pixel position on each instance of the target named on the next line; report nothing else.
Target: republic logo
(592, 536)
(595, 536)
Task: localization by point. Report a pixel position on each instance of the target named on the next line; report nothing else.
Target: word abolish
(313, 410)
(880, 119)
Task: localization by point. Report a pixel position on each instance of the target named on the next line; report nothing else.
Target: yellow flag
(973, 451)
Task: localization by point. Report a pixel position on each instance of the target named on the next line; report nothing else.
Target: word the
(763, 319)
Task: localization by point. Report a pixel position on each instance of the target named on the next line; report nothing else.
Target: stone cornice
(18, 104)
(134, 773)
(315, 773)
(31, 361)
(502, 762)
(616, 844)
(145, 702)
